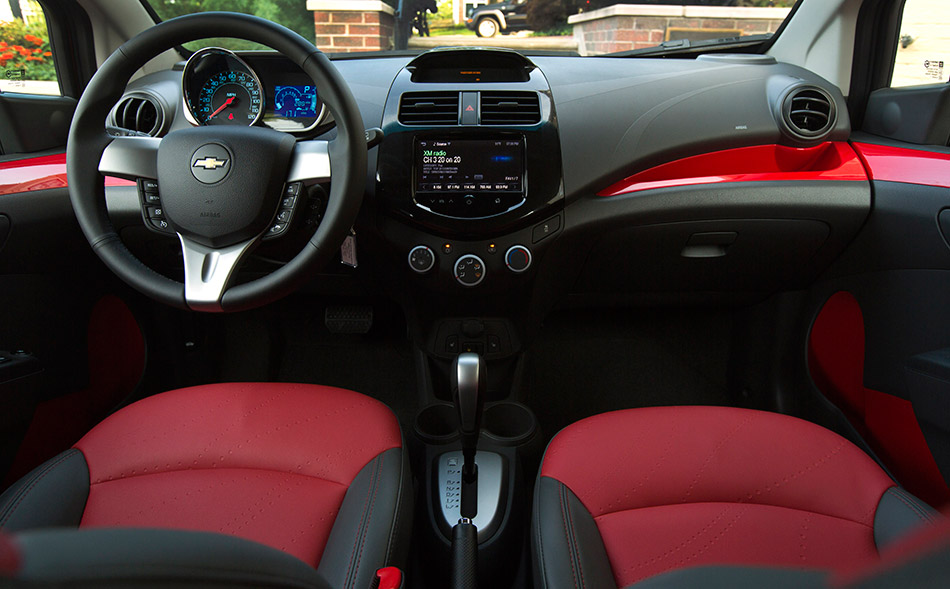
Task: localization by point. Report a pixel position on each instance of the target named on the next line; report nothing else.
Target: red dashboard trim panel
(40, 173)
(911, 166)
(761, 163)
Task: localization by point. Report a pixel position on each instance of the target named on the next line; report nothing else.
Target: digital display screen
(295, 102)
(470, 165)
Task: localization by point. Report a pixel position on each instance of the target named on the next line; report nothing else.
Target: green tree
(293, 14)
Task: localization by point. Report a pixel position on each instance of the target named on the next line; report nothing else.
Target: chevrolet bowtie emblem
(209, 163)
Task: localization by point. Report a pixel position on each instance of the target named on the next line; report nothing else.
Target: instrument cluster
(220, 87)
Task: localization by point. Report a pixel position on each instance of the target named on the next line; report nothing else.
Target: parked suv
(490, 19)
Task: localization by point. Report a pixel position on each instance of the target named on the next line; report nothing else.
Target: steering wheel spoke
(310, 162)
(208, 270)
(131, 158)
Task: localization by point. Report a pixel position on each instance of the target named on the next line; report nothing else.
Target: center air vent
(808, 112)
(510, 108)
(140, 114)
(429, 108)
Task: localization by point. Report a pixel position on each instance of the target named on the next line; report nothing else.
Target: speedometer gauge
(229, 98)
(221, 89)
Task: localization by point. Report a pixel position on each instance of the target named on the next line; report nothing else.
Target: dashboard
(505, 184)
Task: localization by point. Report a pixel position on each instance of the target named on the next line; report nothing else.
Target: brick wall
(344, 26)
(630, 26)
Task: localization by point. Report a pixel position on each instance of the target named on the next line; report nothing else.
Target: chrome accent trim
(468, 372)
(189, 115)
(310, 161)
(131, 158)
(490, 492)
(207, 271)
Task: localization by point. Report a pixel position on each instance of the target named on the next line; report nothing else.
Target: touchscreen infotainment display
(470, 166)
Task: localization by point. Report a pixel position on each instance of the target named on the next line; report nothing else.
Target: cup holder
(508, 423)
(437, 423)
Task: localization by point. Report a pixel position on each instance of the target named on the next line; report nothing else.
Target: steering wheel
(221, 218)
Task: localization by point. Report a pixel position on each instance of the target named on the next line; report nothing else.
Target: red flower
(3, 45)
(6, 56)
(47, 54)
(31, 58)
(34, 39)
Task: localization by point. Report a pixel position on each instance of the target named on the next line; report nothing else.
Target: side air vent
(429, 108)
(510, 108)
(139, 114)
(808, 112)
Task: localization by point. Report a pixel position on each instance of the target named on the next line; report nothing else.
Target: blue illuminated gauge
(220, 89)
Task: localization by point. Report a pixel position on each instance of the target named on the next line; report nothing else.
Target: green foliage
(293, 14)
(25, 47)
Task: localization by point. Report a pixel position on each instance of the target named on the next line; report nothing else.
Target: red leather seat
(317, 472)
(628, 495)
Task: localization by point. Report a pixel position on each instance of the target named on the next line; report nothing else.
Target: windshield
(579, 27)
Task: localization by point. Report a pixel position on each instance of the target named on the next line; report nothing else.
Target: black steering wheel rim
(88, 140)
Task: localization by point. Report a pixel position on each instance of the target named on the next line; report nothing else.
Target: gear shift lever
(468, 392)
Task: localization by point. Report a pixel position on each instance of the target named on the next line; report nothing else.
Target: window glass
(26, 59)
(923, 52)
(585, 27)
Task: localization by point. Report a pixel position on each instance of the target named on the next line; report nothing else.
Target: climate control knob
(421, 259)
(518, 258)
(469, 270)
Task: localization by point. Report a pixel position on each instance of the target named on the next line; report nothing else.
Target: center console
(469, 196)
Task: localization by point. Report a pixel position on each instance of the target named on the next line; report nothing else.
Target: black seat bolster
(126, 557)
(569, 551)
(728, 577)
(53, 494)
(898, 513)
(373, 525)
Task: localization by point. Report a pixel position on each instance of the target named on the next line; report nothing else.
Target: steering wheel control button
(546, 229)
(518, 258)
(421, 259)
(160, 225)
(286, 212)
(469, 270)
(153, 213)
(211, 163)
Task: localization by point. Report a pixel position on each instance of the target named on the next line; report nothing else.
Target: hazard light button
(469, 108)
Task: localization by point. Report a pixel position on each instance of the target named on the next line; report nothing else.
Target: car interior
(475, 316)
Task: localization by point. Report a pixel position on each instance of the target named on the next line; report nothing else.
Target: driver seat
(318, 472)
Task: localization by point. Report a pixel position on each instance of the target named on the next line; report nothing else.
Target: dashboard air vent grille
(510, 108)
(430, 108)
(139, 114)
(809, 112)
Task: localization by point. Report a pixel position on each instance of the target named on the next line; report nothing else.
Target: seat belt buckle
(388, 578)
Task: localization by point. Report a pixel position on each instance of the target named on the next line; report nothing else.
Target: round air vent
(138, 113)
(808, 112)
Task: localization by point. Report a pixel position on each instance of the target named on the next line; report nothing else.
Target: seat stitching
(788, 479)
(921, 514)
(369, 518)
(714, 452)
(223, 469)
(396, 509)
(567, 537)
(682, 545)
(350, 574)
(711, 542)
(21, 495)
(537, 531)
(575, 549)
